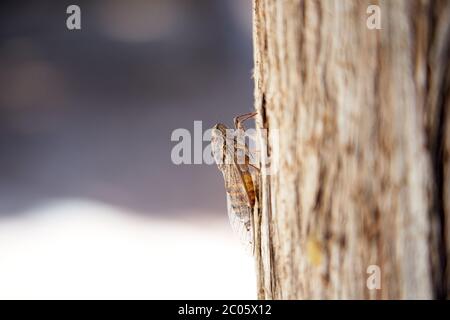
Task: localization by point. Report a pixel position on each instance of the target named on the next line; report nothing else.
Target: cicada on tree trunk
(240, 171)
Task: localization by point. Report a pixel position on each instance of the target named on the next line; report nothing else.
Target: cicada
(241, 177)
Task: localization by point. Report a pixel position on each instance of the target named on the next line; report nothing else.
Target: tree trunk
(363, 146)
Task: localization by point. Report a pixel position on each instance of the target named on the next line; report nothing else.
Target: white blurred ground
(77, 249)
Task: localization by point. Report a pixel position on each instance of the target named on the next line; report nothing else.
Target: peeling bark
(364, 129)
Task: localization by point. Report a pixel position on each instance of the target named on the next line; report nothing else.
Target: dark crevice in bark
(438, 167)
(264, 123)
(437, 145)
(301, 42)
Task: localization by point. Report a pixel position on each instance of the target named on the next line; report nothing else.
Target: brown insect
(241, 177)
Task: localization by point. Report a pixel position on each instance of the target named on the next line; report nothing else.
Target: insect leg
(239, 120)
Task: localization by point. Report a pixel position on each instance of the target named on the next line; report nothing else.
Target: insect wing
(241, 226)
(239, 210)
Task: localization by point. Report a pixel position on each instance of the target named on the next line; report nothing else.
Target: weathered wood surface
(364, 129)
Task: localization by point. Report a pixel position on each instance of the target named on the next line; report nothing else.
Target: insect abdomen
(248, 181)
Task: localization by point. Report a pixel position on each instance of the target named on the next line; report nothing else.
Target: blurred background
(91, 205)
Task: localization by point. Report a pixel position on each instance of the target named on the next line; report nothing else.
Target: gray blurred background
(91, 205)
(89, 113)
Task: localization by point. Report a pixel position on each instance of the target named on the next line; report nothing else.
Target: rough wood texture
(364, 143)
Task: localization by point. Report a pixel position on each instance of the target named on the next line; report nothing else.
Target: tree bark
(363, 146)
